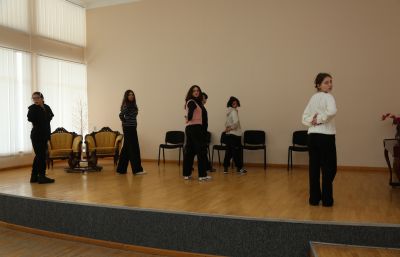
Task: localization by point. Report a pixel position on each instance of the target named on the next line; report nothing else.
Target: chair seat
(253, 147)
(170, 146)
(298, 148)
(105, 150)
(59, 153)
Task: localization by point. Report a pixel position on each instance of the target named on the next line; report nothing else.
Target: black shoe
(226, 170)
(34, 179)
(121, 172)
(313, 203)
(327, 204)
(45, 180)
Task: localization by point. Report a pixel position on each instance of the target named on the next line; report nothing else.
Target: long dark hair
(189, 94)
(126, 102)
(320, 77)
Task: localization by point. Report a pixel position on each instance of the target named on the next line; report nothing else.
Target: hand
(314, 120)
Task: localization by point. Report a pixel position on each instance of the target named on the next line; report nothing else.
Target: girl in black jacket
(40, 115)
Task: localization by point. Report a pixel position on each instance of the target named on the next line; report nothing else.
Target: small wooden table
(392, 146)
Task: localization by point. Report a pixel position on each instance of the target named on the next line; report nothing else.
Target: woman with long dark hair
(130, 150)
(40, 114)
(195, 134)
(319, 117)
(233, 137)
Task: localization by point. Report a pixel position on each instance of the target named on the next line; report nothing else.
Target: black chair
(299, 144)
(221, 147)
(255, 140)
(173, 140)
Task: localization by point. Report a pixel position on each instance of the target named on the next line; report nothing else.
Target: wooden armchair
(103, 143)
(64, 145)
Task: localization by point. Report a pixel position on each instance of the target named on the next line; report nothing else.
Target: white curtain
(15, 14)
(63, 85)
(61, 20)
(15, 92)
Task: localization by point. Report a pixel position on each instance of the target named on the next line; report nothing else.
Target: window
(63, 85)
(15, 91)
(61, 20)
(14, 14)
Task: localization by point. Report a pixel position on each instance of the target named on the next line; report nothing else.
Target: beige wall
(266, 52)
(16, 160)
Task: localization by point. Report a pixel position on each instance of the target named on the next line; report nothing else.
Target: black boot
(45, 180)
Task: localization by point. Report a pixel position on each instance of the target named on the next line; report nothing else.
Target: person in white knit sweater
(233, 137)
(319, 117)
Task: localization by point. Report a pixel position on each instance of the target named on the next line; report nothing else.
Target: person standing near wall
(130, 150)
(40, 114)
(319, 117)
(195, 134)
(233, 137)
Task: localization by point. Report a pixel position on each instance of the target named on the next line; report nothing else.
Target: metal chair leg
(159, 150)
(291, 160)
(163, 154)
(265, 158)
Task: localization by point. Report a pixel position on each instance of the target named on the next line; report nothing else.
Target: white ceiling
(90, 4)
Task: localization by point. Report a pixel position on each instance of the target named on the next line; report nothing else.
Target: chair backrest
(300, 137)
(105, 139)
(223, 140)
(254, 137)
(175, 137)
(61, 139)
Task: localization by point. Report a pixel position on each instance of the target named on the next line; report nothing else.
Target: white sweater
(322, 104)
(232, 121)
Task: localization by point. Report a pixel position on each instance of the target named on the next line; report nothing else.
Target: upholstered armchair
(64, 145)
(103, 143)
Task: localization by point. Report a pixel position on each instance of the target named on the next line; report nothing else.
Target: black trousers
(234, 144)
(39, 162)
(195, 145)
(130, 151)
(322, 153)
(208, 162)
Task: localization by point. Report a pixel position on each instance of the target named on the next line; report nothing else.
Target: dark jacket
(40, 118)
